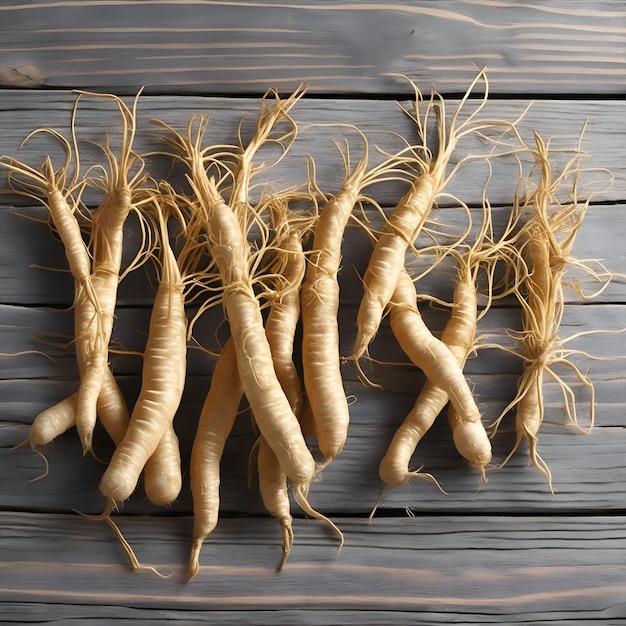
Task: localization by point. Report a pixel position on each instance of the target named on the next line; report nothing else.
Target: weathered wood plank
(349, 47)
(446, 569)
(27, 248)
(587, 474)
(504, 551)
(587, 471)
(358, 465)
(560, 121)
(25, 328)
(375, 415)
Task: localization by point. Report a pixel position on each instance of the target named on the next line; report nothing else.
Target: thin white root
(299, 491)
(132, 557)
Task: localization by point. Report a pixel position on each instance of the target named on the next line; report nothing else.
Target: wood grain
(28, 254)
(350, 47)
(504, 551)
(450, 568)
(320, 122)
(351, 484)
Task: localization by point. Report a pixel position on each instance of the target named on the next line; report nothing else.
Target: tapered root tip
(539, 463)
(86, 441)
(375, 507)
(193, 565)
(331, 447)
(287, 530)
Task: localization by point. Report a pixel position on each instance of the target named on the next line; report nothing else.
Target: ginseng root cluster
(226, 234)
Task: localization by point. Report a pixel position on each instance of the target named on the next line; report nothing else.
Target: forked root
(365, 381)
(41, 455)
(300, 493)
(132, 557)
(134, 562)
(535, 458)
(99, 517)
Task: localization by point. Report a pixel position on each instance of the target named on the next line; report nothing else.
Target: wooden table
(504, 551)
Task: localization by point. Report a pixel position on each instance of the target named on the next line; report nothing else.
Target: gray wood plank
(25, 328)
(504, 551)
(587, 475)
(587, 470)
(459, 569)
(349, 47)
(319, 121)
(27, 249)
